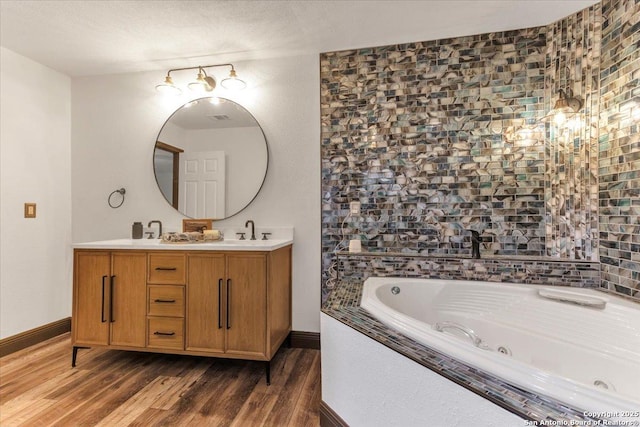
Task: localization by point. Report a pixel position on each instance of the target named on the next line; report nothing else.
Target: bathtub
(578, 346)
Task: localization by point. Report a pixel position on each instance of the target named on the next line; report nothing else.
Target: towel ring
(121, 192)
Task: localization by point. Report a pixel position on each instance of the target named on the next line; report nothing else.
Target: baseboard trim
(328, 417)
(300, 339)
(34, 336)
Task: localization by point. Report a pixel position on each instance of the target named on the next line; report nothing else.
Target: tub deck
(529, 335)
(343, 305)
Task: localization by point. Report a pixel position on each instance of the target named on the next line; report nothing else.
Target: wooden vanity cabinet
(166, 301)
(227, 304)
(232, 304)
(246, 297)
(109, 298)
(206, 303)
(239, 303)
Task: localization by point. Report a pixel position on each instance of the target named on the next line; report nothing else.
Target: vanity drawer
(166, 332)
(167, 269)
(166, 300)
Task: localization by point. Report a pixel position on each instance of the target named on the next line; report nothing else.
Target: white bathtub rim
(615, 352)
(520, 374)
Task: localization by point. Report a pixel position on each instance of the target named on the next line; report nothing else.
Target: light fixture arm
(200, 68)
(204, 82)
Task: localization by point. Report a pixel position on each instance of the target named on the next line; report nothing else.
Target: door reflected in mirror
(210, 158)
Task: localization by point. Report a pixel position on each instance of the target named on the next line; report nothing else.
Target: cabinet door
(128, 293)
(247, 304)
(205, 307)
(92, 272)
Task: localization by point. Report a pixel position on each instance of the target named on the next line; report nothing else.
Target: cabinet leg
(74, 356)
(287, 341)
(267, 366)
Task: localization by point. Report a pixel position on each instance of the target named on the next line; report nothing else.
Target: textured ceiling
(82, 38)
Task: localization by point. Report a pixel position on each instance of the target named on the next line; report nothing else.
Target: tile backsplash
(437, 138)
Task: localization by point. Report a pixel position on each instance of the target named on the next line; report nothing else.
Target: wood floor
(38, 387)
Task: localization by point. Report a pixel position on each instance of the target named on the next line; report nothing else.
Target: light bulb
(233, 82)
(559, 118)
(575, 124)
(199, 85)
(168, 88)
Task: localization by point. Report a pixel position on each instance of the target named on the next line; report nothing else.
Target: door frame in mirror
(175, 152)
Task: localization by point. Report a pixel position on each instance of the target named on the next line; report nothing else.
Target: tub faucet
(475, 244)
(159, 227)
(253, 228)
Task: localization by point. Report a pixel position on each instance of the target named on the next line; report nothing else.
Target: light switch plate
(29, 210)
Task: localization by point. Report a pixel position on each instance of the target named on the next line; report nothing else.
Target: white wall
(35, 153)
(116, 119)
(369, 385)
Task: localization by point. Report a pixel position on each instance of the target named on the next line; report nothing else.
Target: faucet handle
(149, 234)
(264, 236)
(241, 236)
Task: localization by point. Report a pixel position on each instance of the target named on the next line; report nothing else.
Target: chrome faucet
(159, 227)
(475, 244)
(253, 229)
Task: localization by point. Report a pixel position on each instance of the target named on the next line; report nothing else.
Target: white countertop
(156, 244)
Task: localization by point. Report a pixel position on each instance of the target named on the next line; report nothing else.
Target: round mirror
(210, 159)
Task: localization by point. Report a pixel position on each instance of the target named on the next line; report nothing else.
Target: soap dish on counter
(207, 236)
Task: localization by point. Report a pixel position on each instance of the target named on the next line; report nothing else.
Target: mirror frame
(175, 155)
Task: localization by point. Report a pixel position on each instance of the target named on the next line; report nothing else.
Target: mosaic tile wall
(571, 196)
(619, 147)
(415, 133)
(437, 138)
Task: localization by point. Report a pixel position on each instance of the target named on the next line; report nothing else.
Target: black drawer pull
(166, 268)
(164, 334)
(228, 297)
(170, 301)
(219, 302)
(111, 302)
(102, 319)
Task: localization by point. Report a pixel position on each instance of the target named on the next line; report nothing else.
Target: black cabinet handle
(166, 268)
(169, 301)
(102, 319)
(228, 297)
(219, 303)
(164, 334)
(111, 286)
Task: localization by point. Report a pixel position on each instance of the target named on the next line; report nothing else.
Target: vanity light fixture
(168, 88)
(233, 82)
(565, 107)
(203, 82)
